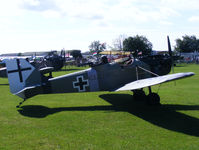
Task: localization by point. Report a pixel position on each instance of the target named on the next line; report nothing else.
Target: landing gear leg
(21, 103)
(153, 98)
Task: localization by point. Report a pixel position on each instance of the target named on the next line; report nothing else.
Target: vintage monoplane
(26, 81)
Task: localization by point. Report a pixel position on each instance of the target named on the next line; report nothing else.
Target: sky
(43, 25)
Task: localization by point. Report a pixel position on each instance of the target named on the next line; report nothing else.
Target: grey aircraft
(26, 81)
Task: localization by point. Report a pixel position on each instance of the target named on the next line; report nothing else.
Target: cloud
(51, 14)
(183, 5)
(82, 21)
(167, 23)
(135, 11)
(106, 12)
(39, 5)
(194, 19)
(10, 8)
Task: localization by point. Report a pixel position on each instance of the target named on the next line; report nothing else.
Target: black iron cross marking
(80, 83)
(19, 70)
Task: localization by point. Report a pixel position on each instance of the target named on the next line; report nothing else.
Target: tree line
(140, 45)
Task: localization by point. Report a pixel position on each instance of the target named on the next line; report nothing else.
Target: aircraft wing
(154, 81)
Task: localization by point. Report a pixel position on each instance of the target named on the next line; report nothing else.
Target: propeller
(170, 54)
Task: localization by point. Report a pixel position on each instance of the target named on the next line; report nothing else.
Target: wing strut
(137, 74)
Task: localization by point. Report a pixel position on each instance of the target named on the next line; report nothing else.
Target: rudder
(22, 75)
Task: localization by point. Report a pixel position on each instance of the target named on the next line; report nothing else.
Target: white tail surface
(21, 74)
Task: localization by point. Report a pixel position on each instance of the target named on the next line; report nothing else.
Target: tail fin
(22, 76)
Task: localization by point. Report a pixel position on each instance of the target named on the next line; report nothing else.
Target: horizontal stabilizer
(154, 81)
(29, 92)
(46, 70)
(3, 72)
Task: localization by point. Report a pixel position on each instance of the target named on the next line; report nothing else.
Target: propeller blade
(169, 47)
(170, 54)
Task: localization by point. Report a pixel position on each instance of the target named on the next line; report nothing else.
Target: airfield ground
(103, 120)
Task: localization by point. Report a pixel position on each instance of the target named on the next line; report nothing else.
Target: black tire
(153, 99)
(139, 95)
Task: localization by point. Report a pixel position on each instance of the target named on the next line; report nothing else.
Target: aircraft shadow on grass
(4, 84)
(165, 116)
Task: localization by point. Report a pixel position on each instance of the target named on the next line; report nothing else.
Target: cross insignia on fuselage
(80, 84)
(19, 70)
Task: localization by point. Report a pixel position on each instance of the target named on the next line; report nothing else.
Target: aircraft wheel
(153, 99)
(139, 95)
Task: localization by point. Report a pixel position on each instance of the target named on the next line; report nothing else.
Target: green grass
(103, 120)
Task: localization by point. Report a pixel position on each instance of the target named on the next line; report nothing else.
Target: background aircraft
(51, 62)
(26, 81)
(42, 69)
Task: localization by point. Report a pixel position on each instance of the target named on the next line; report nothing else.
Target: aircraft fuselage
(106, 77)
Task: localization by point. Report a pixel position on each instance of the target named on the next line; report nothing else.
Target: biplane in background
(26, 81)
(48, 63)
(41, 68)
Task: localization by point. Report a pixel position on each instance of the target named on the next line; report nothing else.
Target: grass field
(103, 120)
